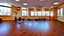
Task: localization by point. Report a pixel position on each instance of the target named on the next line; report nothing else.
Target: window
(24, 11)
(60, 12)
(47, 13)
(43, 13)
(36, 13)
(9, 11)
(32, 13)
(39, 13)
(5, 11)
(5, 4)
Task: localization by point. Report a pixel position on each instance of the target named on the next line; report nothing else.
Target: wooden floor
(32, 28)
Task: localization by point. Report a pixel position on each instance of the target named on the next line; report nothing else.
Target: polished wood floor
(32, 28)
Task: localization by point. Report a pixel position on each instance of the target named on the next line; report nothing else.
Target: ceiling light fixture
(42, 0)
(33, 7)
(56, 3)
(17, 0)
(25, 4)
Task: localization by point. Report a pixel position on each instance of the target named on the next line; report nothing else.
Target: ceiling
(32, 3)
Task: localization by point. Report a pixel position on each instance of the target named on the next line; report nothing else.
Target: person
(37, 19)
(19, 20)
(15, 18)
(23, 20)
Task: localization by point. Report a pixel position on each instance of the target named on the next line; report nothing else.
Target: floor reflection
(43, 26)
(4, 28)
(32, 28)
(18, 26)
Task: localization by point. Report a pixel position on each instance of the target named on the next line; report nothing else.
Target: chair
(0, 20)
(37, 19)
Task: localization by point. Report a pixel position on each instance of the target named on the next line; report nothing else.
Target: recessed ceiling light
(56, 3)
(42, 0)
(33, 7)
(25, 4)
(17, 0)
